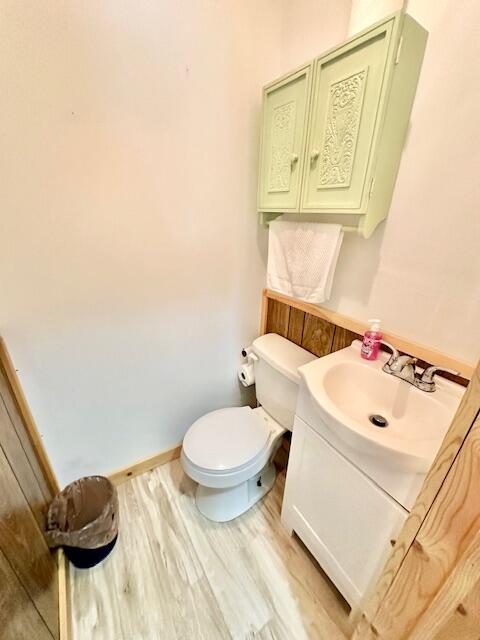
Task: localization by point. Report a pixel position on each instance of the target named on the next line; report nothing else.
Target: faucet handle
(403, 361)
(427, 375)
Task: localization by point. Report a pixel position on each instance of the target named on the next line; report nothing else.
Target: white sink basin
(347, 390)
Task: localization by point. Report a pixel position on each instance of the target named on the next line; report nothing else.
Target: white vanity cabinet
(347, 522)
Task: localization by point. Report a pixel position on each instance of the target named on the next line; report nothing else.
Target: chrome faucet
(403, 367)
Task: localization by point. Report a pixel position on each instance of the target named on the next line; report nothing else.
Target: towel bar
(346, 229)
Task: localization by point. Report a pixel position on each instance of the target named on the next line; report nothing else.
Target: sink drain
(378, 420)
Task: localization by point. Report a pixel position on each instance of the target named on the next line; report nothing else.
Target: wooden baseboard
(147, 464)
(64, 616)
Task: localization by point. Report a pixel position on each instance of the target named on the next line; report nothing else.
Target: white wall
(366, 12)
(130, 269)
(420, 271)
(310, 27)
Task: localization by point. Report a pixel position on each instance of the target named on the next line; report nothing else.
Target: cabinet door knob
(314, 153)
(294, 158)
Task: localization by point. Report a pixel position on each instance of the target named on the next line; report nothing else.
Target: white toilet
(229, 452)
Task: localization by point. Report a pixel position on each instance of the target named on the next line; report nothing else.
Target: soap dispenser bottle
(371, 340)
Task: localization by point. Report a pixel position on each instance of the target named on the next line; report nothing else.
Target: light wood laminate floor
(176, 575)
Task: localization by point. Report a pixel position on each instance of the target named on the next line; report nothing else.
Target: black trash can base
(87, 558)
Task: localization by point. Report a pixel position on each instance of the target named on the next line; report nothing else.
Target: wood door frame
(27, 417)
(18, 398)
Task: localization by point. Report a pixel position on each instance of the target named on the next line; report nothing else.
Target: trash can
(83, 519)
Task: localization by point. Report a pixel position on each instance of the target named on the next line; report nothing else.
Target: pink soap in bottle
(371, 341)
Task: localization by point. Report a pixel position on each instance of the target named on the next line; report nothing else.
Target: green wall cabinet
(333, 131)
(285, 113)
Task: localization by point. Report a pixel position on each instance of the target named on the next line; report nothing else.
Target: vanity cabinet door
(347, 522)
(349, 88)
(285, 111)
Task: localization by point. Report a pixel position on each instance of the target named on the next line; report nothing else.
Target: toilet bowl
(229, 452)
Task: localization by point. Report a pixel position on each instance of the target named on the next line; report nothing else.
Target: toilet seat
(226, 439)
(226, 447)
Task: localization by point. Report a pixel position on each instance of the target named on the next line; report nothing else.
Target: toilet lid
(226, 439)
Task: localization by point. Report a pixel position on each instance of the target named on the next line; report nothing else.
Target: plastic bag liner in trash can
(83, 518)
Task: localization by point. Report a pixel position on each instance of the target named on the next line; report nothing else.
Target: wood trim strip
(420, 351)
(263, 315)
(27, 417)
(64, 609)
(146, 464)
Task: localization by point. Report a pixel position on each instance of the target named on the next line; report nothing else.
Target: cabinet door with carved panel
(285, 112)
(349, 91)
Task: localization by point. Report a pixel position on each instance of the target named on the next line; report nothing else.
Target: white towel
(302, 257)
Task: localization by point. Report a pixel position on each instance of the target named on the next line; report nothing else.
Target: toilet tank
(276, 376)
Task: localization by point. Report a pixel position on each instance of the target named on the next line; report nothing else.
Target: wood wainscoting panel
(312, 332)
(344, 338)
(278, 317)
(19, 618)
(317, 335)
(295, 326)
(279, 307)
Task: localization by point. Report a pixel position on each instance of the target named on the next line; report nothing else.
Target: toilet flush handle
(252, 357)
